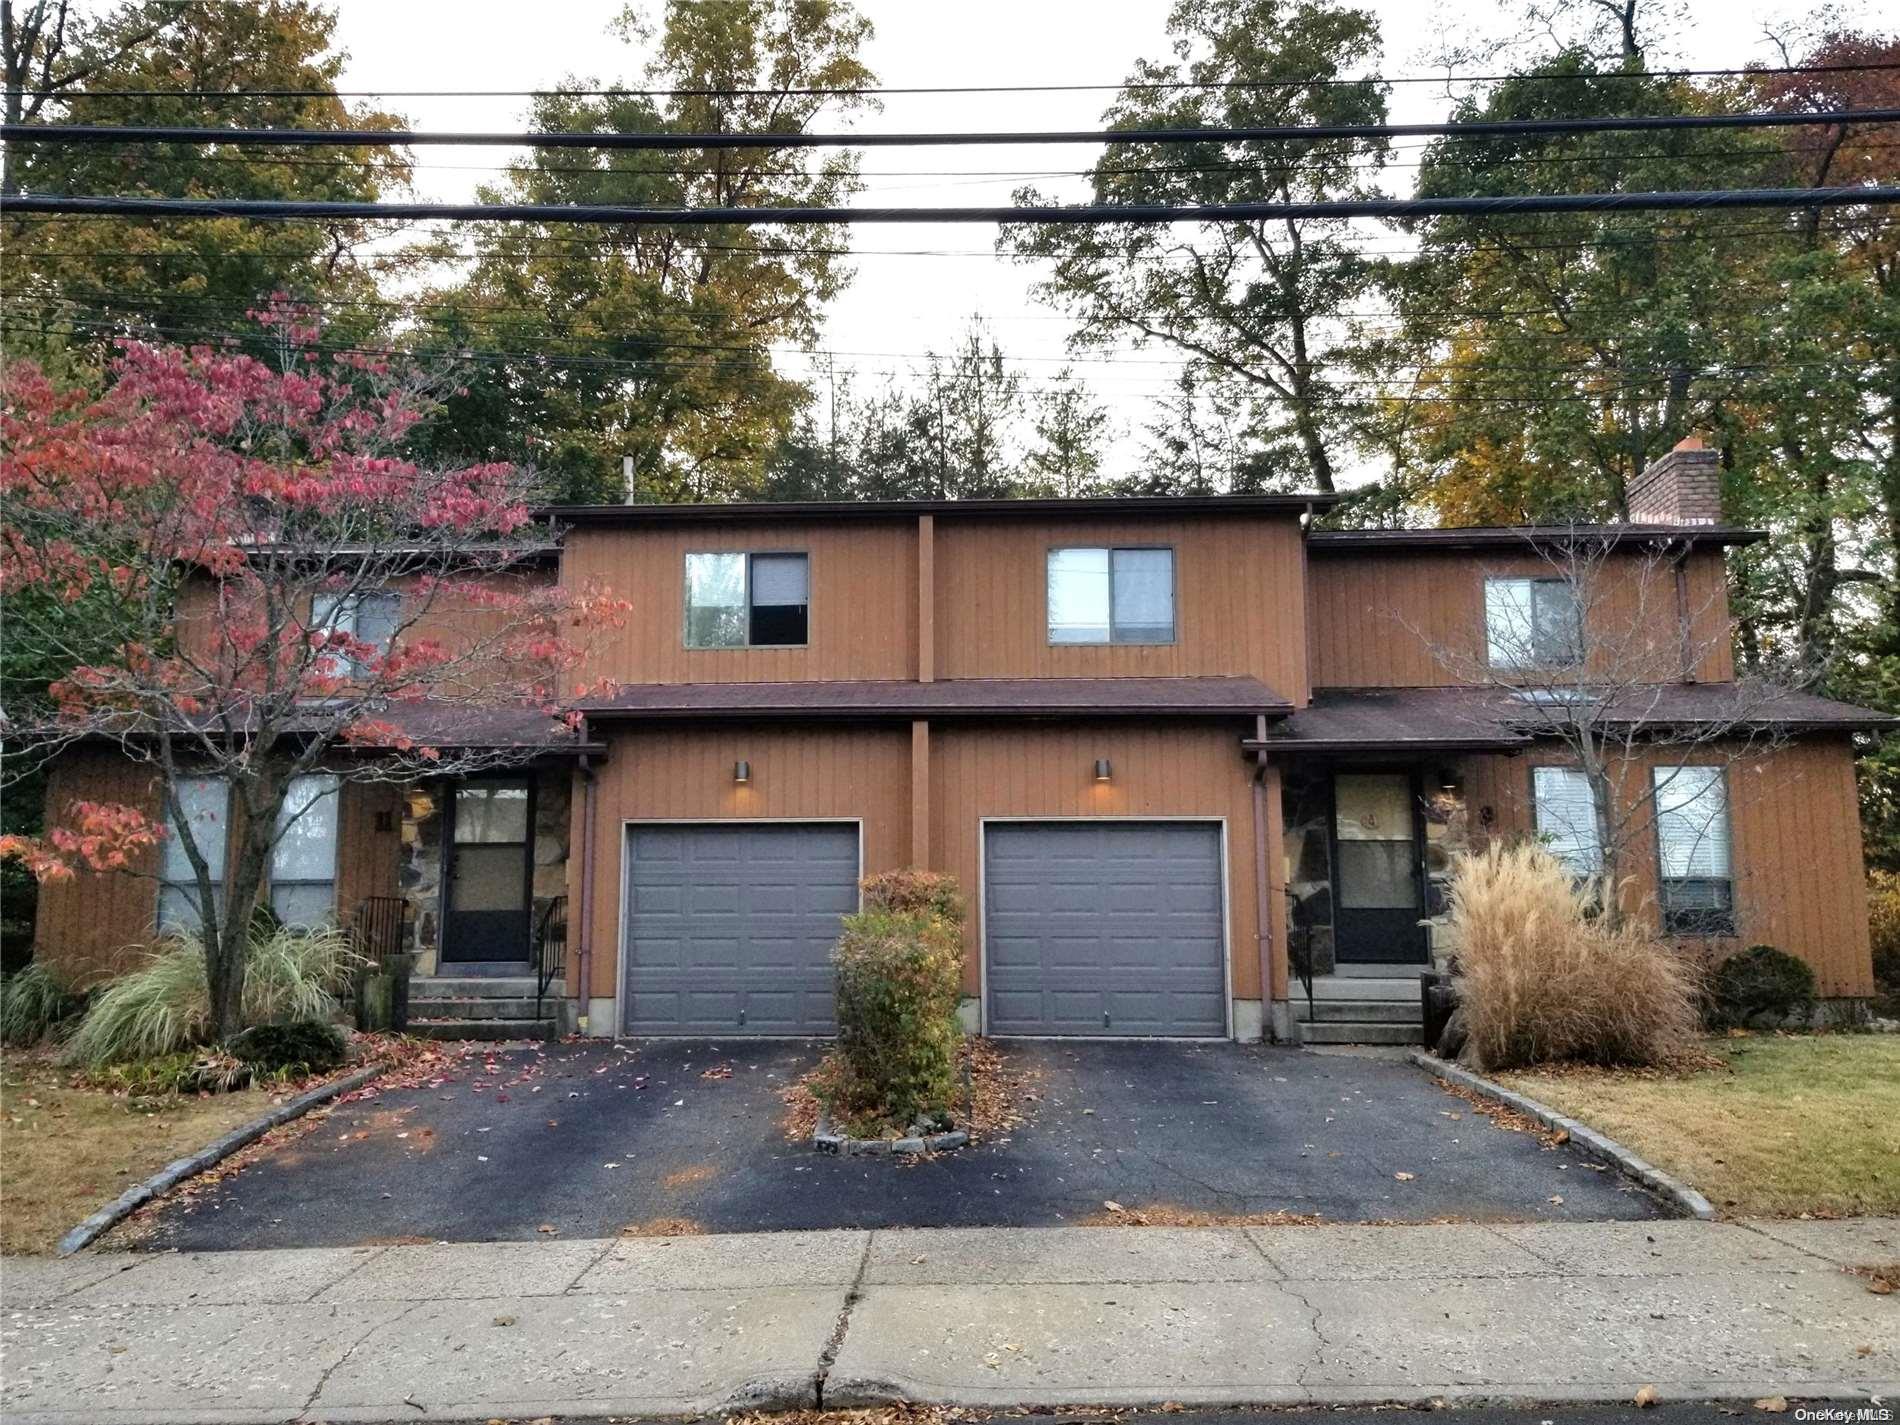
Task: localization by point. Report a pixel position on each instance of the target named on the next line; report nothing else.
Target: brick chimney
(1682, 487)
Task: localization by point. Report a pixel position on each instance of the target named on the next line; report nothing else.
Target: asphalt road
(592, 1139)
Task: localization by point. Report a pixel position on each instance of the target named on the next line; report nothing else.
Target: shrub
(1759, 983)
(35, 1004)
(164, 1005)
(1544, 979)
(1883, 917)
(303, 1046)
(923, 892)
(189, 1071)
(899, 977)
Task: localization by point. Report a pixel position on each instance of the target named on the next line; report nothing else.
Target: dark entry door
(486, 904)
(1377, 869)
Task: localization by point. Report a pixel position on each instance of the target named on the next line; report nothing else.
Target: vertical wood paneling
(368, 856)
(863, 601)
(1800, 882)
(1409, 619)
(89, 926)
(1047, 770)
(680, 774)
(1239, 600)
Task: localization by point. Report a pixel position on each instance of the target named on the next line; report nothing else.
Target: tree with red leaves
(270, 589)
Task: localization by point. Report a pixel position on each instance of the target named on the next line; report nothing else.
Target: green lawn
(1792, 1124)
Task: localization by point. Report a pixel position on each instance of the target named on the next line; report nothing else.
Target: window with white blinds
(1694, 854)
(1566, 814)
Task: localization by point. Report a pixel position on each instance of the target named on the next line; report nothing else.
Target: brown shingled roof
(1527, 537)
(950, 697)
(1451, 719)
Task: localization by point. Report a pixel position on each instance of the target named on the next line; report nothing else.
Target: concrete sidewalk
(1123, 1316)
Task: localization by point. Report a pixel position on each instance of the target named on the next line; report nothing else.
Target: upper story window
(1532, 623)
(1566, 811)
(1111, 596)
(748, 600)
(1692, 843)
(369, 617)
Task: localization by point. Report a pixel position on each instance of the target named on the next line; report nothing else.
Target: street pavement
(1460, 1313)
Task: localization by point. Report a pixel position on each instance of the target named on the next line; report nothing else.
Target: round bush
(1759, 984)
(302, 1046)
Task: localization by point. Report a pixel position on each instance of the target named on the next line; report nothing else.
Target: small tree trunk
(227, 955)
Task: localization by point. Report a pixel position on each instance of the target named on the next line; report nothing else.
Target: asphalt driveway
(592, 1139)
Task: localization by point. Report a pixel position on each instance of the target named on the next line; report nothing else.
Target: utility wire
(271, 209)
(1297, 133)
(1137, 86)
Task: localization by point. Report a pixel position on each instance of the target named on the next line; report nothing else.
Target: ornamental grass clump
(1545, 979)
(164, 1006)
(900, 972)
(35, 1005)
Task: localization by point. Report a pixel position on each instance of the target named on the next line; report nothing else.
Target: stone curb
(827, 1140)
(174, 1173)
(1584, 1138)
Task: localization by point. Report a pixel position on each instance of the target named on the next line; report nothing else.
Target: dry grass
(1543, 982)
(1782, 1125)
(664, 1227)
(69, 1149)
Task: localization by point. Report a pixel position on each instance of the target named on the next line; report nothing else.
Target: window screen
(1531, 623)
(303, 864)
(1111, 596)
(1567, 818)
(205, 802)
(1693, 848)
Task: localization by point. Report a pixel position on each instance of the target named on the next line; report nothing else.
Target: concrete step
(482, 1028)
(1360, 1034)
(1359, 1011)
(514, 1007)
(476, 987)
(1359, 987)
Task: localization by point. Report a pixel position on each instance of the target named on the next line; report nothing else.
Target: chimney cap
(1690, 442)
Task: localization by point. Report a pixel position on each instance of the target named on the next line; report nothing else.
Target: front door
(486, 905)
(1376, 870)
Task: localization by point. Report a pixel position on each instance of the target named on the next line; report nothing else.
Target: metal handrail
(549, 952)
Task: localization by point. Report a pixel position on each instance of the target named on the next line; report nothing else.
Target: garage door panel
(730, 926)
(1105, 928)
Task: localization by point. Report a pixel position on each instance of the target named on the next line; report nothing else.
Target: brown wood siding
(368, 856)
(91, 926)
(1800, 881)
(863, 601)
(1048, 771)
(1376, 618)
(1239, 600)
(861, 772)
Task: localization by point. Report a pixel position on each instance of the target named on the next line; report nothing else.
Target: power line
(1297, 133)
(271, 209)
(1137, 86)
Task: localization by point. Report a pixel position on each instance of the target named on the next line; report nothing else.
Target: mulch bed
(1001, 1095)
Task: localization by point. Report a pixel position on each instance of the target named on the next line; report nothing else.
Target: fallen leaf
(1114, 1206)
(547, 1227)
(1404, 1177)
(504, 1320)
(1646, 1397)
(1880, 1286)
(1773, 1404)
(1556, 1199)
(1560, 1137)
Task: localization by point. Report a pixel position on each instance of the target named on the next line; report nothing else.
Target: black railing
(376, 929)
(550, 949)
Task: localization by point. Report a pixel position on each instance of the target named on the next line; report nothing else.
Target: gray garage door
(1104, 927)
(730, 927)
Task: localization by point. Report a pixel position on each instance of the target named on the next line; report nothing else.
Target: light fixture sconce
(742, 771)
(1103, 771)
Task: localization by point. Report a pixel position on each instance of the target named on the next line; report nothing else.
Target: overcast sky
(901, 305)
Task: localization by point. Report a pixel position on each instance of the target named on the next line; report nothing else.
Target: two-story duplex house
(1175, 750)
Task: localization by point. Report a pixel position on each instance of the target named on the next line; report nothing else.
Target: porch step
(482, 1028)
(1360, 987)
(513, 1007)
(1362, 1011)
(433, 987)
(1360, 1034)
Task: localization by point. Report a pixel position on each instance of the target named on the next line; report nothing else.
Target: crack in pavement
(350, 1350)
(1321, 1344)
(852, 1293)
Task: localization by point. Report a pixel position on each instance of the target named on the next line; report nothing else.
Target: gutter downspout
(584, 943)
(1263, 899)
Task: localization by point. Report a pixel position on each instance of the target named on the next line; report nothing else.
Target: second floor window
(369, 617)
(1532, 623)
(748, 600)
(1111, 596)
(1566, 811)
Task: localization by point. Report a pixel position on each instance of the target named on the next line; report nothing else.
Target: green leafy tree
(655, 343)
(74, 284)
(1256, 307)
(1071, 433)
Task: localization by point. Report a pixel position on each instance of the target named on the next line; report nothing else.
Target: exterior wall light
(742, 771)
(1103, 771)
